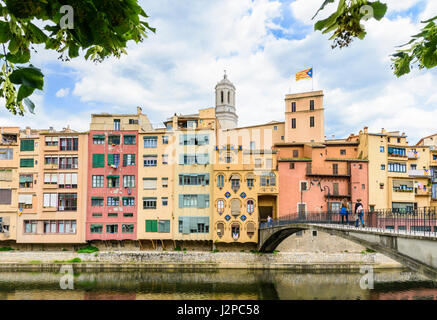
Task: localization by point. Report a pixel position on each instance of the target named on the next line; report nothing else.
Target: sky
(261, 44)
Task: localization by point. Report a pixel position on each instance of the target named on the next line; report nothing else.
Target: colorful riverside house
(399, 174)
(52, 186)
(194, 142)
(315, 174)
(9, 182)
(155, 189)
(112, 198)
(431, 142)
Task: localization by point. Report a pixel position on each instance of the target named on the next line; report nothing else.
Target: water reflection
(223, 284)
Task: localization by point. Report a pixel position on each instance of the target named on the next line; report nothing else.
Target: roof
(273, 122)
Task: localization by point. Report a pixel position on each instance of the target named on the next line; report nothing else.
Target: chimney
(383, 131)
(366, 130)
(51, 129)
(139, 110)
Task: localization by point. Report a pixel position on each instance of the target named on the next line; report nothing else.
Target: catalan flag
(305, 74)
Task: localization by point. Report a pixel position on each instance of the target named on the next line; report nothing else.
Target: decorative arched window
(220, 229)
(235, 182)
(250, 178)
(228, 158)
(220, 206)
(222, 96)
(272, 179)
(235, 231)
(250, 206)
(235, 207)
(220, 181)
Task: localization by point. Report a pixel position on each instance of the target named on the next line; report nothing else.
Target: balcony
(420, 173)
(328, 172)
(420, 192)
(51, 166)
(413, 155)
(337, 196)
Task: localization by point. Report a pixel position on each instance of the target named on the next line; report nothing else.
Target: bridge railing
(422, 221)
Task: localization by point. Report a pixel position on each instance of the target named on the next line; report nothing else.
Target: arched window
(250, 206)
(250, 228)
(250, 178)
(235, 182)
(235, 207)
(222, 96)
(235, 231)
(229, 97)
(228, 158)
(220, 181)
(272, 179)
(220, 229)
(220, 206)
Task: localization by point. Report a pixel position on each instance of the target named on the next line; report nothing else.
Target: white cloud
(63, 92)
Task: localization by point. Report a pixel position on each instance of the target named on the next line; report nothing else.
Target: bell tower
(225, 104)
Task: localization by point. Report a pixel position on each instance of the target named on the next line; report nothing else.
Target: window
(25, 201)
(220, 229)
(128, 160)
(314, 233)
(150, 142)
(220, 181)
(128, 214)
(311, 105)
(113, 181)
(382, 166)
(199, 201)
(269, 164)
(98, 139)
(114, 160)
(165, 182)
(343, 152)
(164, 139)
(250, 206)
(149, 203)
(151, 226)
(27, 145)
(397, 167)
(252, 145)
(381, 149)
(26, 163)
(295, 153)
(69, 144)
(98, 181)
(67, 202)
(5, 196)
(275, 128)
(397, 152)
(311, 122)
(129, 139)
(113, 139)
(220, 206)
(6, 154)
(113, 201)
(194, 139)
(68, 162)
(30, 226)
(191, 159)
(133, 121)
(258, 163)
(127, 228)
(235, 182)
(96, 228)
(228, 158)
(150, 161)
(335, 189)
(112, 228)
(112, 214)
(97, 215)
(250, 181)
(293, 123)
(189, 225)
(26, 180)
(303, 186)
(67, 180)
(51, 141)
(413, 167)
(129, 181)
(293, 107)
(292, 165)
(50, 200)
(117, 125)
(164, 226)
(51, 160)
(150, 183)
(128, 201)
(97, 202)
(268, 179)
(164, 201)
(165, 159)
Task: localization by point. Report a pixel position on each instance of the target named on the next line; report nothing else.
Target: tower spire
(225, 103)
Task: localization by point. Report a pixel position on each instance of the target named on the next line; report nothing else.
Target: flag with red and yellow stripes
(305, 74)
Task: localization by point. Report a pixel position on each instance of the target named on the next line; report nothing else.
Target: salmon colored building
(113, 175)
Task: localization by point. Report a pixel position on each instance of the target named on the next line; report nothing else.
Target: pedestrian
(359, 213)
(269, 221)
(344, 211)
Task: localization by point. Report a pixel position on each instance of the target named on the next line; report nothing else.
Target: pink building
(316, 176)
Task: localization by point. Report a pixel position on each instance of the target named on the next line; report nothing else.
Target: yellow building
(399, 175)
(156, 188)
(9, 182)
(53, 186)
(431, 142)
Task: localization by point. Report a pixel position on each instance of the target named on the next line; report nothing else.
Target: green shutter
(98, 136)
(124, 160)
(110, 159)
(27, 145)
(98, 160)
(154, 226)
(133, 159)
(181, 201)
(148, 225)
(185, 225)
(26, 163)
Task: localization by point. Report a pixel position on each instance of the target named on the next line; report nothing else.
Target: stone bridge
(415, 250)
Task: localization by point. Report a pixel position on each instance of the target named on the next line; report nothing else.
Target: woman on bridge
(344, 211)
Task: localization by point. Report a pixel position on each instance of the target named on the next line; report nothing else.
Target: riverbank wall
(139, 260)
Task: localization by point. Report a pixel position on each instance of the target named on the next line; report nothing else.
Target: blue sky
(261, 44)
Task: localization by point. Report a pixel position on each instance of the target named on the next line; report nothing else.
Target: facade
(431, 142)
(399, 174)
(112, 198)
(52, 186)
(9, 182)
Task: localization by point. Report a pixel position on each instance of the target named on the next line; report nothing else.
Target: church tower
(225, 104)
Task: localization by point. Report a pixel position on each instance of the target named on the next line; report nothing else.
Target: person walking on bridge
(344, 211)
(269, 221)
(359, 213)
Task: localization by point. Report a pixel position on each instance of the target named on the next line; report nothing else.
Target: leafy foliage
(345, 23)
(101, 29)
(423, 50)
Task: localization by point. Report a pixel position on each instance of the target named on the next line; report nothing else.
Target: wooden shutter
(235, 207)
(98, 160)
(110, 159)
(5, 196)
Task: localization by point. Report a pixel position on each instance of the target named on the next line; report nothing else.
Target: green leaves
(379, 10)
(29, 76)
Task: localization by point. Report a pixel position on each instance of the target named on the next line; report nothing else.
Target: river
(222, 284)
